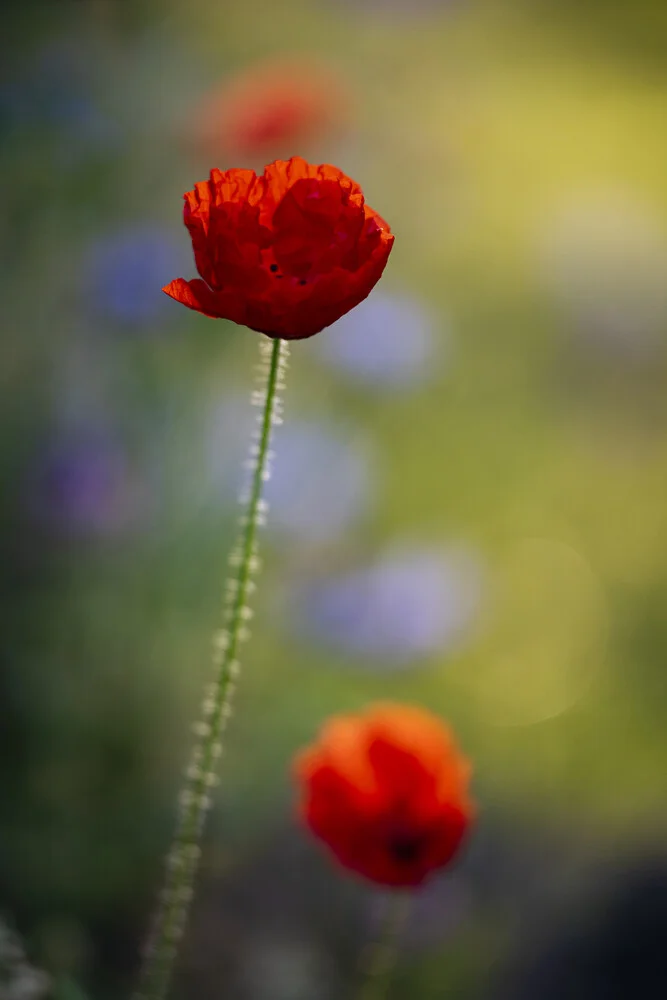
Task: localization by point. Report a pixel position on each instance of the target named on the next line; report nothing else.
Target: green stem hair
(201, 773)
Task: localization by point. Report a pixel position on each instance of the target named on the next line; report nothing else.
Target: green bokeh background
(473, 126)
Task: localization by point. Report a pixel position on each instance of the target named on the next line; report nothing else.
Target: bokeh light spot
(544, 639)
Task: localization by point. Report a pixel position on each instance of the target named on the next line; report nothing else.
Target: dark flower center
(406, 848)
(275, 271)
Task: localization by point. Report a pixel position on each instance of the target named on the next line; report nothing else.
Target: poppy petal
(195, 295)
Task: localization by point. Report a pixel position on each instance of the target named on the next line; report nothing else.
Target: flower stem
(200, 776)
(379, 959)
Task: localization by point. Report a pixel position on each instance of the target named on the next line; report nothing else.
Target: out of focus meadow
(469, 507)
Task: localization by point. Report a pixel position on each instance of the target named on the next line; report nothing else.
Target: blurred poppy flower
(286, 253)
(387, 792)
(268, 110)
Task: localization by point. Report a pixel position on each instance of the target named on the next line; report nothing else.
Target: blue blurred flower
(125, 271)
(410, 603)
(84, 485)
(321, 479)
(387, 339)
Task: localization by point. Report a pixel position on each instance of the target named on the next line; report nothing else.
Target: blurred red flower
(286, 253)
(268, 109)
(387, 791)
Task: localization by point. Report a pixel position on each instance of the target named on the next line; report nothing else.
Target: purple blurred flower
(388, 339)
(409, 603)
(125, 272)
(84, 485)
(321, 479)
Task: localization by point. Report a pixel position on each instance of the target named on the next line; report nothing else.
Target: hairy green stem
(379, 959)
(201, 776)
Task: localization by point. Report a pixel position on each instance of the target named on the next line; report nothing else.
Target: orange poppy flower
(267, 109)
(286, 253)
(387, 791)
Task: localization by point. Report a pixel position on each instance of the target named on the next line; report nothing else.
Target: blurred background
(468, 509)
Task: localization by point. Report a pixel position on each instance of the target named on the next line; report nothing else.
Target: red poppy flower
(286, 253)
(268, 109)
(387, 791)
